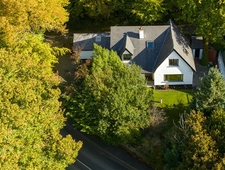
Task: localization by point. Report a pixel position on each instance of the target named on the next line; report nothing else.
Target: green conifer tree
(211, 93)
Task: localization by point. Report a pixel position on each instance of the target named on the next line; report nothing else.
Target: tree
(208, 18)
(217, 128)
(97, 8)
(211, 93)
(30, 115)
(119, 11)
(200, 151)
(114, 102)
(30, 16)
(148, 10)
(193, 147)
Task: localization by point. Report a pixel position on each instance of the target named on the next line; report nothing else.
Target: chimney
(141, 33)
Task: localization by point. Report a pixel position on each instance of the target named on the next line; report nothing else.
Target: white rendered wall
(164, 68)
(200, 54)
(86, 55)
(193, 52)
(221, 64)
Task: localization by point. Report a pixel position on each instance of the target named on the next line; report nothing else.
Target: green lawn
(174, 102)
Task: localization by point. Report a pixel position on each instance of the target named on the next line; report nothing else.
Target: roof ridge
(128, 40)
(181, 47)
(161, 47)
(124, 41)
(172, 32)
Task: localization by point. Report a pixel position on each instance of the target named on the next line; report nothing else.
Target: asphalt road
(91, 158)
(95, 155)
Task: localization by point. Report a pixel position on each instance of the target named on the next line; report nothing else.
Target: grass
(174, 102)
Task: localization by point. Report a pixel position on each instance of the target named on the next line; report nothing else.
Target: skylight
(98, 38)
(150, 44)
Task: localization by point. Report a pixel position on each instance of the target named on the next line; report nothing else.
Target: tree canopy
(31, 118)
(30, 113)
(211, 93)
(208, 17)
(98, 8)
(114, 102)
(30, 16)
(145, 11)
(200, 145)
(199, 150)
(148, 11)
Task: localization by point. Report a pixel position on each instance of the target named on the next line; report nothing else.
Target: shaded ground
(65, 67)
(200, 72)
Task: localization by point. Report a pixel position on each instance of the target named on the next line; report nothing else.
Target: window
(173, 77)
(148, 76)
(150, 44)
(173, 62)
(126, 56)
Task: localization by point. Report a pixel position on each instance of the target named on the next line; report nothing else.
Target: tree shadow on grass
(173, 112)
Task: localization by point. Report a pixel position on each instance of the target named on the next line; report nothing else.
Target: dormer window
(173, 62)
(150, 44)
(126, 55)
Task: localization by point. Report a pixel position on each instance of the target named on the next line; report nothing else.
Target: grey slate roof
(166, 38)
(127, 45)
(86, 40)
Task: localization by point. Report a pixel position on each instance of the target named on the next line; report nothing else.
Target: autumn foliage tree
(19, 18)
(114, 102)
(200, 144)
(30, 113)
(31, 118)
(199, 150)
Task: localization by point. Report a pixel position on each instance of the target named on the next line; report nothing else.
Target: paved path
(200, 72)
(96, 155)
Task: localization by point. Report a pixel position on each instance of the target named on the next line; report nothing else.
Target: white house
(161, 51)
(174, 71)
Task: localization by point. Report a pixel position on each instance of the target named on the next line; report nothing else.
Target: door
(197, 51)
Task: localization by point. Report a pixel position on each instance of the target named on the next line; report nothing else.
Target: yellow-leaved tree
(30, 114)
(30, 16)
